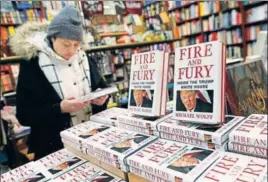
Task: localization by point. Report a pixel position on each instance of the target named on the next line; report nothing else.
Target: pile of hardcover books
(59, 166)
(201, 135)
(250, 136)
(105, 143)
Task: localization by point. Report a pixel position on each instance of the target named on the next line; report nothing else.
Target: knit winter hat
(67, 24)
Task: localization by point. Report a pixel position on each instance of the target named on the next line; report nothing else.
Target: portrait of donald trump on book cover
(141, 98)
(195, 101)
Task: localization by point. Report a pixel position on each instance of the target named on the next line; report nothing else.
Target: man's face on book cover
(185, 161)
(124, 144)
(188, 98)
(138, 96)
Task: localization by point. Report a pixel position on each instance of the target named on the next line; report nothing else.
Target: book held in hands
(98, 93)
(148, 83)
(199, 83)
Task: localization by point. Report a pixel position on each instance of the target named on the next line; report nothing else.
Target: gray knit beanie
(67, 24)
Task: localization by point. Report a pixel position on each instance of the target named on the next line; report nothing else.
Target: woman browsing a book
(54, 74)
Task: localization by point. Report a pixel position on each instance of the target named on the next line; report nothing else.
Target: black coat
(38, 106)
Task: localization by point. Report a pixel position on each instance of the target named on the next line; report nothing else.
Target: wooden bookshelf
(254, 4)
(113, 34)
(256, 22)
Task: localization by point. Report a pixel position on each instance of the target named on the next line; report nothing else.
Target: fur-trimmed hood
(27, 40)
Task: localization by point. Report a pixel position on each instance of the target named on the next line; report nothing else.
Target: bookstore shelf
(253, 4)
(235, 44)
(113, 34)
(183, 6)
(191, 35)
(188, 20)
(230, 9)
(208, 15)
(16, 59)
(256, 22)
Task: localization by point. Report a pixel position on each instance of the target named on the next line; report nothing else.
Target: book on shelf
(141, 121)
(250, 84)
(109, 116)
(199, 83)
(148, 83)
(117, 144)
(172, 161)
(98, 93)
(240, 168)
(87, 172)
(252, 131)
(248, 150)
(26, 172)
(257, 13)
(217, 134)
(82, 132)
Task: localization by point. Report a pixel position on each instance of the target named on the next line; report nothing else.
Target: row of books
(252, 31)
(59, 166)
(257, 13)
(9, 77)
(189, 28)
(228, 37)
(221, 21)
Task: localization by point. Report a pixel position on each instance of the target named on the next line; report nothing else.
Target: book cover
(87, 172)
(235, 167)
(83, 131)
(248, 150)
(98, 93)
(199, 83)
(59, 162)
(252, 131)
(148, 83)
(28, 172)
(172, 161)
(216, 134)
(249, 80)
(141, 121)
(118, 143)
(108, 116)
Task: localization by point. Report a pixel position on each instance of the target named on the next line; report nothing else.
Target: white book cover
(148, 83)
(199, 83)
(59, 162)
(108, 116)
(217, 134)
(252, 131)
(87, 172)
(118, 143)
(26, 172)
(98, 93)
(173, 161)
(248, 150)
(141, 121)
(80, 133)
(232, 167)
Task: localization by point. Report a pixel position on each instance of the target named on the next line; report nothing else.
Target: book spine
(71, 137)
(248, 150)
(135, 128)
(222, 134)
(146, 175)
(137, 122)
(68, 143)
(191, 141)
(154, 170)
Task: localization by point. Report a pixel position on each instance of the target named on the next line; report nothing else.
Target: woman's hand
(99, 101)
(70, 105)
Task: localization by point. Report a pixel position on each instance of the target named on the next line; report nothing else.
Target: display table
(99, 163)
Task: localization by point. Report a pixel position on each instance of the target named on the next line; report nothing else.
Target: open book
(98, 93)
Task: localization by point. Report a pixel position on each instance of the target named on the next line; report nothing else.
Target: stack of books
(109, 116)
(59, 166)
(114, 145)
(201, 135)
(142, 124)
(250, 136)
(76, 136)
(165, 160)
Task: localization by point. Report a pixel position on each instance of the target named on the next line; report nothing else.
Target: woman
(54, 73)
